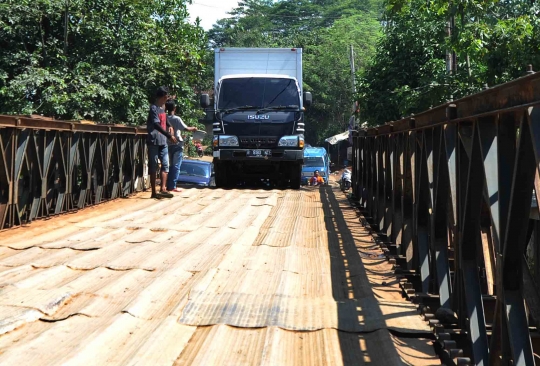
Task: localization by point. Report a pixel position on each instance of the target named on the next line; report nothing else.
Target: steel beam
(51, 167)
(452, 189)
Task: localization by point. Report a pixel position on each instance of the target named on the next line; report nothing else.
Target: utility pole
(448, 51)
(353, 72)
(66, 23)
(451, 59)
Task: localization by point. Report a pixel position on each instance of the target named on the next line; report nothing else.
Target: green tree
(493, 42)
(97, 60)
(408, 72)
(327, 72)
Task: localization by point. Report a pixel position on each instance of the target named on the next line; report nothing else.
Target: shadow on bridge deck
(390, 331)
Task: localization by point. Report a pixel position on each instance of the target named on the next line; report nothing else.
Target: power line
(210, 6)
(320, 17)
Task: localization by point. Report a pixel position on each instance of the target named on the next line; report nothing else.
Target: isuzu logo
(258, 116)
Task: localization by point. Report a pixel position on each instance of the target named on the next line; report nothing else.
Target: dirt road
(210, 277)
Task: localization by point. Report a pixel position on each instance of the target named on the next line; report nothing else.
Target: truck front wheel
(296, 176)
(221, 175)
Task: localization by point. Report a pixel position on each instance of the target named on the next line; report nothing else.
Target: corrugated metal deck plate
(211, 277)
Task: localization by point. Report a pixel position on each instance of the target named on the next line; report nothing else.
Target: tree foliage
(97, 60)
(325, 29)
(493, 42)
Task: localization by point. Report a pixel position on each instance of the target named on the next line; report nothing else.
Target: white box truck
(258, 121)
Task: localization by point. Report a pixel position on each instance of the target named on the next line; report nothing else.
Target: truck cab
(315, 158)
(258, 121)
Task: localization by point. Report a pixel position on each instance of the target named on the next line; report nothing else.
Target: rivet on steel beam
(529, 69)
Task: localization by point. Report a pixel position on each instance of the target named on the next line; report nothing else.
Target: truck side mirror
(205, 101)
(308, 99)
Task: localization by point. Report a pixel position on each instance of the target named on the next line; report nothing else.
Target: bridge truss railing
(453, 192)
(50, 167)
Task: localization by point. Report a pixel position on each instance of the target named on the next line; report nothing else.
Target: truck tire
(227, 178)
(296, 176)
(230, 181)
(282, 183)
(221, 175)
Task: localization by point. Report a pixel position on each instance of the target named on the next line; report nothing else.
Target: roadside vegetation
(400, 51)
(101, 60)
(98, 60)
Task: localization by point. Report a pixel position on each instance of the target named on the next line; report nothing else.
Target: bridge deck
(209, 277)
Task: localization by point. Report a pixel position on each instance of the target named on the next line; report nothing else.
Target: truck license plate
(259, 153)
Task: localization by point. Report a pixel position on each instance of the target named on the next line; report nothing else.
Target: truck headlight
(291, 141)
(227, 140)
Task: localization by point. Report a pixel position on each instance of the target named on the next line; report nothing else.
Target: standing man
(159, 131)
(176, 149)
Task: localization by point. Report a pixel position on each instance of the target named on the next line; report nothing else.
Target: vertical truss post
(61, 156)
(506, 152)
(389, 211)
(372, 203)
(7, 153)
(71, 183)
(397, 193)
(380, 179)
(423, 207)
(21, 143)
(439, 218)
(526, 164)
(409, 197)
(468, 248)
(355, 163)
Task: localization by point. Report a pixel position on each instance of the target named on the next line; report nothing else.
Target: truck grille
(258, 142)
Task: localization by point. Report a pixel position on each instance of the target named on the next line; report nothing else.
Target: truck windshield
(258, 93)
(313, 161)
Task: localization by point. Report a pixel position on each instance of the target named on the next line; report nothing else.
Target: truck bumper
(241, 155)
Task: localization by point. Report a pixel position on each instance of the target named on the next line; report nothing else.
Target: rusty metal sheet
(224, 345)
(301, 313)
(116, 279)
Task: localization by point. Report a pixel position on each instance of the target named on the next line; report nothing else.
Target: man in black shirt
(158, 134)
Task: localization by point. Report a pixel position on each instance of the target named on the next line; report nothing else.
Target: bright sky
(210, 11)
